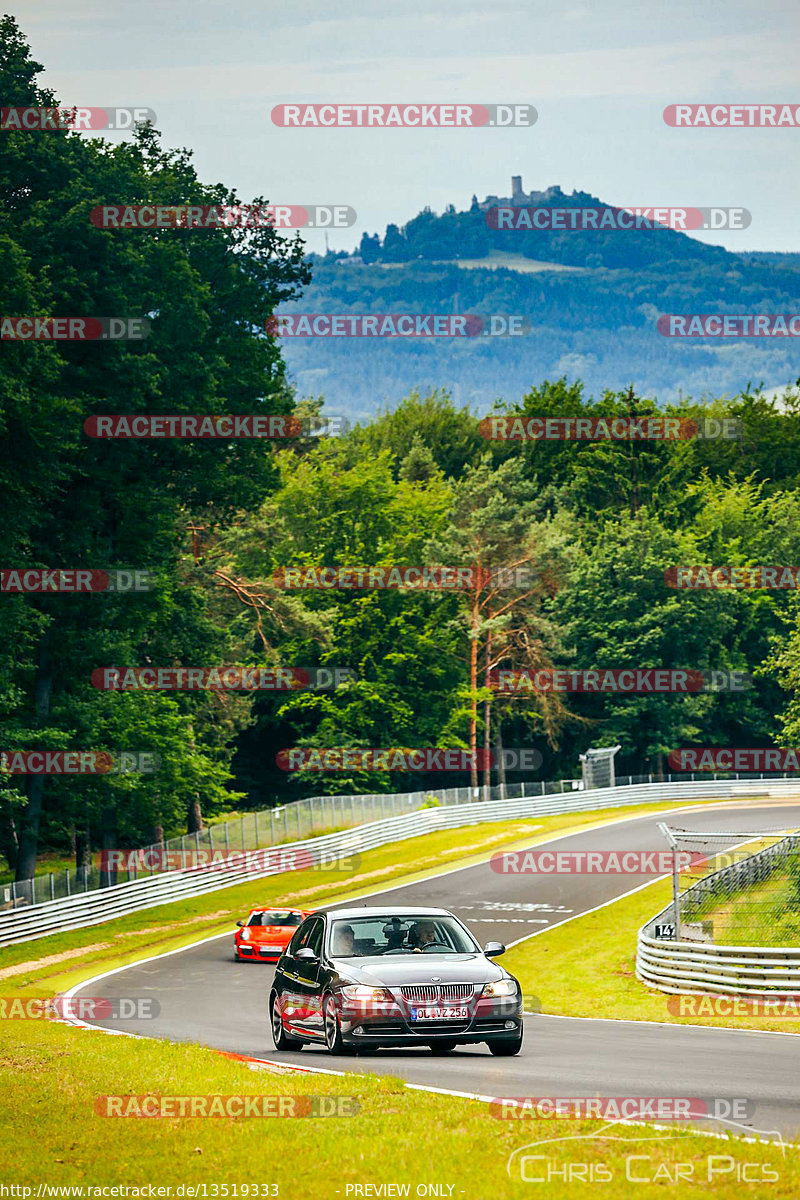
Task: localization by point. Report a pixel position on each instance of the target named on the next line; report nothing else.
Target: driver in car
(345, 942)
(425, 935)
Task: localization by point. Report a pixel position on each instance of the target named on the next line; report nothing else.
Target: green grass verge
(586, 968)
(51, 1077)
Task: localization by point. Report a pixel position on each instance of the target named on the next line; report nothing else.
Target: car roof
(390, 910)
(276, 908)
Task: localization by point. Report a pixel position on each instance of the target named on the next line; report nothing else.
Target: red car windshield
(275, 918)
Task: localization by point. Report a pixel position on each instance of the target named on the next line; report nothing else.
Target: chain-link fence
(733, 888)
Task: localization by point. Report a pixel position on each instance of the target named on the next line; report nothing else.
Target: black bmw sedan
(366, 977)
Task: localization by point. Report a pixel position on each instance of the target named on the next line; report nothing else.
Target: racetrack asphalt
(207, 998)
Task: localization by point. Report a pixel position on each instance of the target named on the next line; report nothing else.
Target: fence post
(255, 822)
(52, 887)
(67, 875)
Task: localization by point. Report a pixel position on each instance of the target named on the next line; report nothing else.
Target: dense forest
(590, 313)
(214, 522)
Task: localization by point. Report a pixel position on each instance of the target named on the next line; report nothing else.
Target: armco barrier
(686, 967)
(92, 908)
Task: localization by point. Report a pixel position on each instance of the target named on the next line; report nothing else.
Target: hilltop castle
(518, 198)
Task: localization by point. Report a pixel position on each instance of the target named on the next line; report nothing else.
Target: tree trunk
(487, 725)
(194, 817)
(83, 852)
(10, 842)
(501, 765)
(34, 784)
(473, 683)
(109, 842)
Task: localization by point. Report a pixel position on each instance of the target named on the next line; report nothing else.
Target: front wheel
(282, 1042)
(505, 1047)
(333, 1028)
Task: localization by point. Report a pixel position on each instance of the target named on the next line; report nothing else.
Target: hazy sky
(599, 76)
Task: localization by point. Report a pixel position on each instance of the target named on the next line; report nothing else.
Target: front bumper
(487, 1018)
(252, 952)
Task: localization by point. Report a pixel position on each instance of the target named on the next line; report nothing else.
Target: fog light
(511, 1024)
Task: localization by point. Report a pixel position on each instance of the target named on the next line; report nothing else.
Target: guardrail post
(52, 887)
(67, 875)
(676, 902)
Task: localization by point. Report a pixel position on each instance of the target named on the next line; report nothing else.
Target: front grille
(431, 992)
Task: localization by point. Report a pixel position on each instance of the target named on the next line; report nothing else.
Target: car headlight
(245, 935)
(367, 995)
(503, 987)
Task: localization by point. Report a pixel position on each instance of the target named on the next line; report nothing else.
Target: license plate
(272, 949)
(439, 1014)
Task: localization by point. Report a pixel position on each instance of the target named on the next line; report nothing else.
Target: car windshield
(365, 937)
(274, 918)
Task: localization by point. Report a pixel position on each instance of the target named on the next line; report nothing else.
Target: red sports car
(266, 933)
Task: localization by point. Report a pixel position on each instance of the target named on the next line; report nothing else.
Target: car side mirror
(494, 949)
(306, 954)
(240, 923)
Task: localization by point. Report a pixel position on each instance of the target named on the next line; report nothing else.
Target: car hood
(420, 968)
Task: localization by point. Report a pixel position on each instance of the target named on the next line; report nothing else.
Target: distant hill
(591, 299)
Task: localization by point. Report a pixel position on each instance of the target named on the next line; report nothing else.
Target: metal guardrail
(93, 908)
(687, 966)
(285, 823)
(292, 822)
